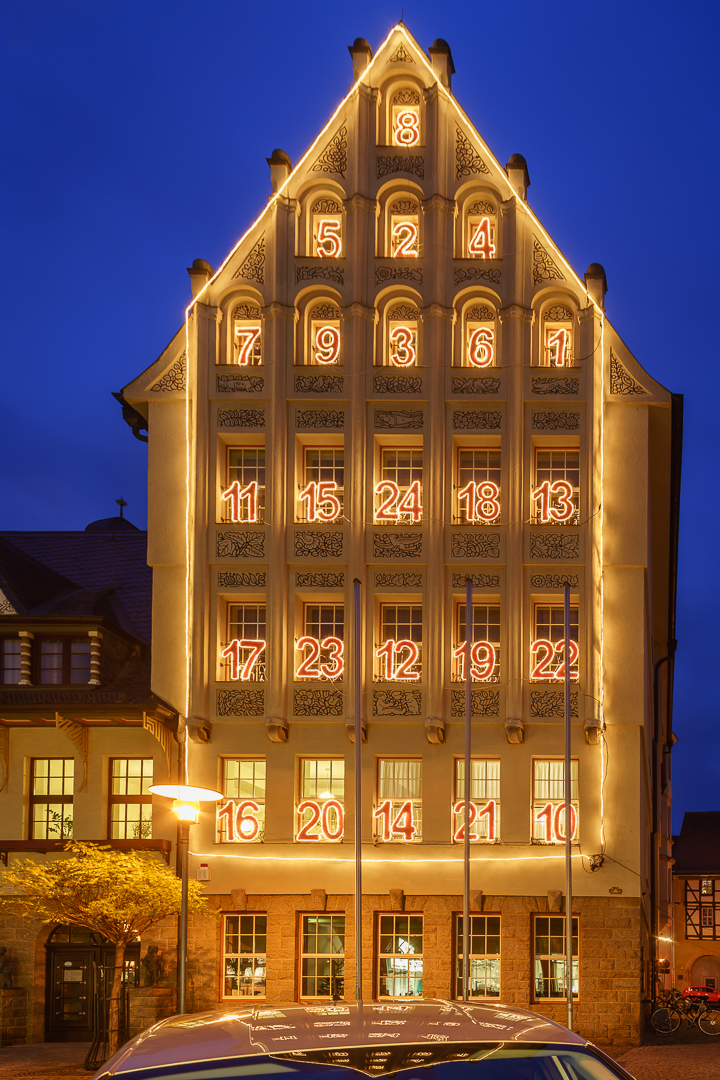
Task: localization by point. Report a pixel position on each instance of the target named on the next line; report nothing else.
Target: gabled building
(691, 939)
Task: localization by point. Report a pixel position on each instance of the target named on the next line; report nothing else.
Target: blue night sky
(135, 136)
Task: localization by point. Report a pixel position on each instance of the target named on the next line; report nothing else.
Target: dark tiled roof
(697, 849)
(79, 573)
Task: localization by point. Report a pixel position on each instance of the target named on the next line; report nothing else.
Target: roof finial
(121, 503)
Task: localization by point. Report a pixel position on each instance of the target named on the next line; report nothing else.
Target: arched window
(323, 345)
(327, 228)
(479, 347)
(245, 347)
(405, 118)
(481, 230)
(404, 228)
(402, 335)
(557, 336)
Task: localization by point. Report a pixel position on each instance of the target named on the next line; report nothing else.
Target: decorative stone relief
(406, 97)
(319, 581)
(241, 418)
(6, 607)
(398, 419)
(401, 56)
(558, 313)
(621, 382)
(240, 384)
(174, 377)
(555, 386)
(240, 545)
(246, 311)
(319, 418)
(253, 269)
(227, 580)
(480, 314)
(544, 269)
(404, 311)
(397, 545)
(554, 545)
(547, 703)
(483, 703)
(553, 581)
(396, 384)
(481, 207)
(325, 311)
(398, 273)
(243, 702)
(469, 385)
(387, 164)
(326, 206)
(334, 157)
(398, 581)
(318, 384)
(316, 702)
(397, 703)
(318, 545)
(480, 581)
(476, 545)
(556, 421)
(312, 273)
(405, 206)
(476, 273)
(467, 161)
(476, 419)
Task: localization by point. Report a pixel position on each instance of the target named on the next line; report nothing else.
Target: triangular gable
(166, 376)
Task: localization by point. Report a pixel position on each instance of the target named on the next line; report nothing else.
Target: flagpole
(358, 795)
(468, 759)
(568, 821)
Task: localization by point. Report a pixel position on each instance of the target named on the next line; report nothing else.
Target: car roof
(239, 1031)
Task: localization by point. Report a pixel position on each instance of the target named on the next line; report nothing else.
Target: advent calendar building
(397, 377)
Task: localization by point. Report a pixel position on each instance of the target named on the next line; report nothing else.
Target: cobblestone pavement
(44, 1061)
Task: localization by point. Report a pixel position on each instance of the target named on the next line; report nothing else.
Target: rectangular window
(702, 908)
(51, 798)
(130, 798)
(242, 818)
(321, 806)
(244, 956)
(398, 493)
(484, 956)
(321, 490)
(547, 659)
(247, 341)
(246, 468)
(400, 956)
(398, 806)
(478, 486)
(246, 623)
(557, 345)
(549, 958)
(63, 662)
(10, 661)
(485, 800)
(556, 487)
(399, 656)
(322, 956)
(321, 651)
(549, 800)
(485, 654)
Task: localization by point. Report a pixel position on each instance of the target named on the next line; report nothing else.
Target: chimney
(596, 283)
(280, 168)
(361, 56)
(200, 273)
(441, 60)
(518, 175)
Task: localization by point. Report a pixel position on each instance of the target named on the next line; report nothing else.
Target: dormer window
(405, 118)
(327, 229)
(63, 662)
(405, 229)
(557, 322)
(246, 336)
(481, 231)
(324, 334)
(480, 346)
(402, 335)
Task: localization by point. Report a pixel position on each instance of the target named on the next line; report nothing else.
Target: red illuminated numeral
(327, 344)
(304, 831)
(241, 822)
(323, 504)
(482, 659)
(227, 814)
(481, 501)
(402, 823)
(325, 820)
(333, 645)
(402, 347)
(390, 651)
(559, 340)
(329, 243)
(480, 243)
(405, 235)
(550, 820)
(383, 512)
(544, 817)
(407, 128)
(232, 653)
(481, 349)
(562, 490)
(320, 814)
(542, 670)
(335, 648)
(235, 495)
(459, 808)
(306, 669)
(246, 337)
(557, 816)
(574, 653)
(410, 504)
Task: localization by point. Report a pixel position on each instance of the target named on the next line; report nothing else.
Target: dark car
(423, 1040)
(698, 992)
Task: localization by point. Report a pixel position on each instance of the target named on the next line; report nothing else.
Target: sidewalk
(44, 1061)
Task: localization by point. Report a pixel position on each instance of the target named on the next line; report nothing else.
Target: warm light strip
(381, 862)
(602, 582)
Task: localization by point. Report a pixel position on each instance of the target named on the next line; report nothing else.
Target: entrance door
(71, 985)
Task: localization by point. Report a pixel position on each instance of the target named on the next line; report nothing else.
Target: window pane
(51, 662)
(10, 662)
(79, 662)
(244, 960)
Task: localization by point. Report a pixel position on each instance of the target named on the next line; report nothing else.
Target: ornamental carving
(476, 273)
(480, 581)
(318, 545)
(398, 419)
(480, 314)
(404, 311)
(318, 384)
(406, 97)
(243, 702)
(475, 386)
(476, 545)
(319, 418)
(174, 377)
(312, 273)
(319, 581)
(317, 702)
(247, 311)
(241, 418)
(397, 703)
(621, 382)
(240, 384)
(482, 703)
(326, 206)
(325, 311)
(405, 206)
(387, 164)
(401, 56)
(553, 581)
(398, 581)
(228, 580)
(558, 313)
(547, 703)
(397, 545)
(556, 421)
(556, 386)
(396, 384)
(476, 419)
(544, 269)
(253, 269)
(240, 545)
(6, 607)
(398, 273)
(482, 207)
(334, 157)
(467, 162)
(554, 545)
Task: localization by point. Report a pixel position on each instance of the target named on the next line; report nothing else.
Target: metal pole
(183, 927)
(568, 821)
(358, 794)
(468, 767)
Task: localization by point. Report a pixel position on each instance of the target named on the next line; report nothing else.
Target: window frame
(536, 916)
(379, 665)
(129, 800)
(478, 206)
(67, 641)
(250, 318)
(320, 312)
(401, 312)
(325, 656)
(47, 800)
(403, 207)
(224, 953)
(302, 506)
(243, 479)
(542, 802)
(554, 663)
(479, 801)
(379, 499)
(12, 640)
(563, 474)
(338, 957)
(324, 206)
(259, 671)
(457, 639)
(458, 954)
(301, 797)
(394, 106)
(556, 314)
(397, 801)
(378, 955)
(221, 835)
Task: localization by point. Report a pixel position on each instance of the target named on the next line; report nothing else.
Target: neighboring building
(396, 376)
(693, 951)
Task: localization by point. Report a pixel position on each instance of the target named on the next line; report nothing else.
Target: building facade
(397, 377)
(691, 938)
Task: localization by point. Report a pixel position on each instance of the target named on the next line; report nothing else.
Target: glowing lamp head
(186, 811)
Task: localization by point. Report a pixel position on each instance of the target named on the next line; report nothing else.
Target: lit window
(405, 229)
(320, 494)
(398, 493)
(400, 959)
(484, 800)
(556, 488)
(548, 809)
(244, 497)
(398, 807)
(402, 336)
(557, 332)
(706, 886)
(547, 652)
(11, 652)
(478, 486)
(321, 653)
(244, 657)
(324, 344)
(484, 956)
(481, 238)
(485, 652)
(242, 817)
(327, 229)
(549, 958)
(405, 118)
(246, 336)
(62, 661)
(244, 955)
(399, 656)
(51, 798)
(322, 956)
(130, 798)
(480, 345)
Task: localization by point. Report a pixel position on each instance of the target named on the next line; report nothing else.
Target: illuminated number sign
(327, 344)
(402, 346)
(329, 243)
(481, 350)
(333, 646)
(246, 336)
(243, 668)
(480, 243)
(557, 343)
(405, 235)
(391, 651)
(561, 508)
(320, 821)
(240, 819)
(396, 820)
(322, 502)
(407, 128)
(236, 494)
(410, 503)
(482, 659)
(549, 650)
(481, 501)
(479, 812)
(551, 818)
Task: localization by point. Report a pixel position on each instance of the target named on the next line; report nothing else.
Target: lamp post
(186, 805)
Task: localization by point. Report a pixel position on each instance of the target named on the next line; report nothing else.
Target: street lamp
(186, 805)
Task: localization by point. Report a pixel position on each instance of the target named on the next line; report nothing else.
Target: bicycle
(668, 1016)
